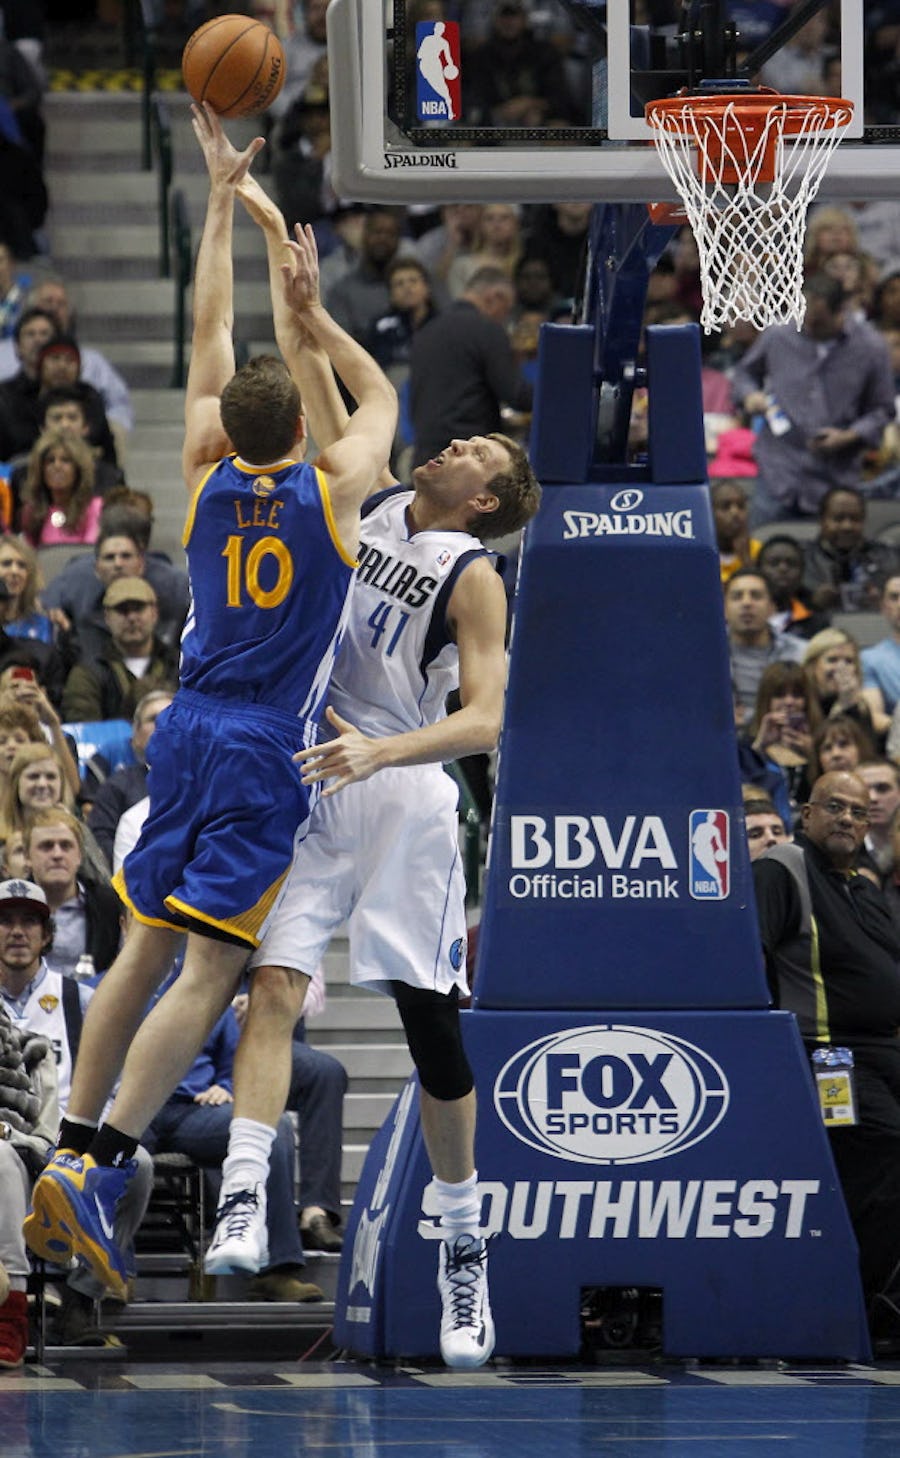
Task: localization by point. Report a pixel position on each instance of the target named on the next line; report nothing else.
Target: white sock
(247, 1161)
(459, 1206)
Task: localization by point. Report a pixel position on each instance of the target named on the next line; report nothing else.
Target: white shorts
(383, 856)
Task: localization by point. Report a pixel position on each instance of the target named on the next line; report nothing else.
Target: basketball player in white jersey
(428, 613)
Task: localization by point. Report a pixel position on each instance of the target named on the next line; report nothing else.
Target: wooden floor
(122, 1409)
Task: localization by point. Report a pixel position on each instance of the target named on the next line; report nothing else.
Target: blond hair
(13, 816)
(28, 598)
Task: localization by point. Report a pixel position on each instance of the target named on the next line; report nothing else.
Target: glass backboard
(541, 100)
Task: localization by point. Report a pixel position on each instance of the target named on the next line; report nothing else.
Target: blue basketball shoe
(73, 1209)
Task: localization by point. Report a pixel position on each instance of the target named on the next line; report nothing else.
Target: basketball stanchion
(653, 1165)
(747, 165)
(648, 1140)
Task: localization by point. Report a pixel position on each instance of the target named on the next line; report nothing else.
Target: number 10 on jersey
(244, 576)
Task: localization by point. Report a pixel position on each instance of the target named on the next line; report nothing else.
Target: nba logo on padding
(710, 852)
(437, 71)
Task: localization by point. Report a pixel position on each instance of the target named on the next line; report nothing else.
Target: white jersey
(398, 663)
(41, 1011)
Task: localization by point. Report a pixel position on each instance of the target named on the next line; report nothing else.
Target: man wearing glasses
(833, 959)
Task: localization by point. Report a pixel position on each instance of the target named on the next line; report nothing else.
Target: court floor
(288, 1409)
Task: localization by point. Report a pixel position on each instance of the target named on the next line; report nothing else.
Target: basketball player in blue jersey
(271, 549)
(428, 613)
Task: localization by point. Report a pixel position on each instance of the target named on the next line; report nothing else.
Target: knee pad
(431, 1023)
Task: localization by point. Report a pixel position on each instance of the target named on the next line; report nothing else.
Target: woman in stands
(841, 743)
(786, 717)
(20, 611)
(835, 674)
(498, 242)
(36, 781)
(830, 230)
(58, 501)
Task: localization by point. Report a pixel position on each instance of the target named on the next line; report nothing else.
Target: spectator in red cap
(59, 365)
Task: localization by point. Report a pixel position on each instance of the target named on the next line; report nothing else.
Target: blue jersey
(270, 587)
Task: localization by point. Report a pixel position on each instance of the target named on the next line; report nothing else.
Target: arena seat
(864, 628)
(172, 1234)
(802, 530)
(109, 737)
(881, 516)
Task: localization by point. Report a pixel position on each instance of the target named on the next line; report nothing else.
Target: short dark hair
(518, 492)
(260, 407)
(779, 539)
(60, 395)
(26, 317)
(747, 572)
(756, 803)
(834, 491)
(398, 265)
(723, 483)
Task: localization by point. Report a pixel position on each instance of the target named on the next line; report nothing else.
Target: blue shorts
(227, 807)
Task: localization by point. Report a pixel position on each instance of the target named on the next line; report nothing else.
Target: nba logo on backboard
(437, 71)
(710, 855)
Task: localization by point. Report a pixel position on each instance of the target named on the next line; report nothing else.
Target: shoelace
(464, 1262)
(237, 1211)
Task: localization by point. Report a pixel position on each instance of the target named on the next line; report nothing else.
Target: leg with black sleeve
(447, 1106)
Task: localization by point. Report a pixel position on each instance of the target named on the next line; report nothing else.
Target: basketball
(451, 72)
(234, 63)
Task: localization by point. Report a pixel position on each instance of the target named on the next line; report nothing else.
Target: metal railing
(141, 22)
(184, 262)
(162, 137)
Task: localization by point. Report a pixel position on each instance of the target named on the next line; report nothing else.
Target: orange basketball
(234, 63)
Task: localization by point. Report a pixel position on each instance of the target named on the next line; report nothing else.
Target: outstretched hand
(350, 757)
(300, 274)
(227, 166)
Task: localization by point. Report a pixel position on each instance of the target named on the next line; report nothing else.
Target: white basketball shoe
(467, 1327)
(240, 1241)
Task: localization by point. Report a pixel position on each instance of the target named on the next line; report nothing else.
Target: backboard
(419, 114)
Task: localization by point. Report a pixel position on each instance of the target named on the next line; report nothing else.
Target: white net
(749, 231)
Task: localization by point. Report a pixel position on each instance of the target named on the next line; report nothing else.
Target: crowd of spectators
(90, 620)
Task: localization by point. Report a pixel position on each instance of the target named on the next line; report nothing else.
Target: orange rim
(735, 117)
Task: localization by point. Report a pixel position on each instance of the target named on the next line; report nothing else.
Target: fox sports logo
(611, 1095)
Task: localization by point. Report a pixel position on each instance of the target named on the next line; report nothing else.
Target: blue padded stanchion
(645, 1119)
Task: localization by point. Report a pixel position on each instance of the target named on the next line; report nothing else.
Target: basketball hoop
(746, 193)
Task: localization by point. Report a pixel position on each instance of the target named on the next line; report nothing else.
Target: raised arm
(212, 347)
(354, 461)
(308, 362)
